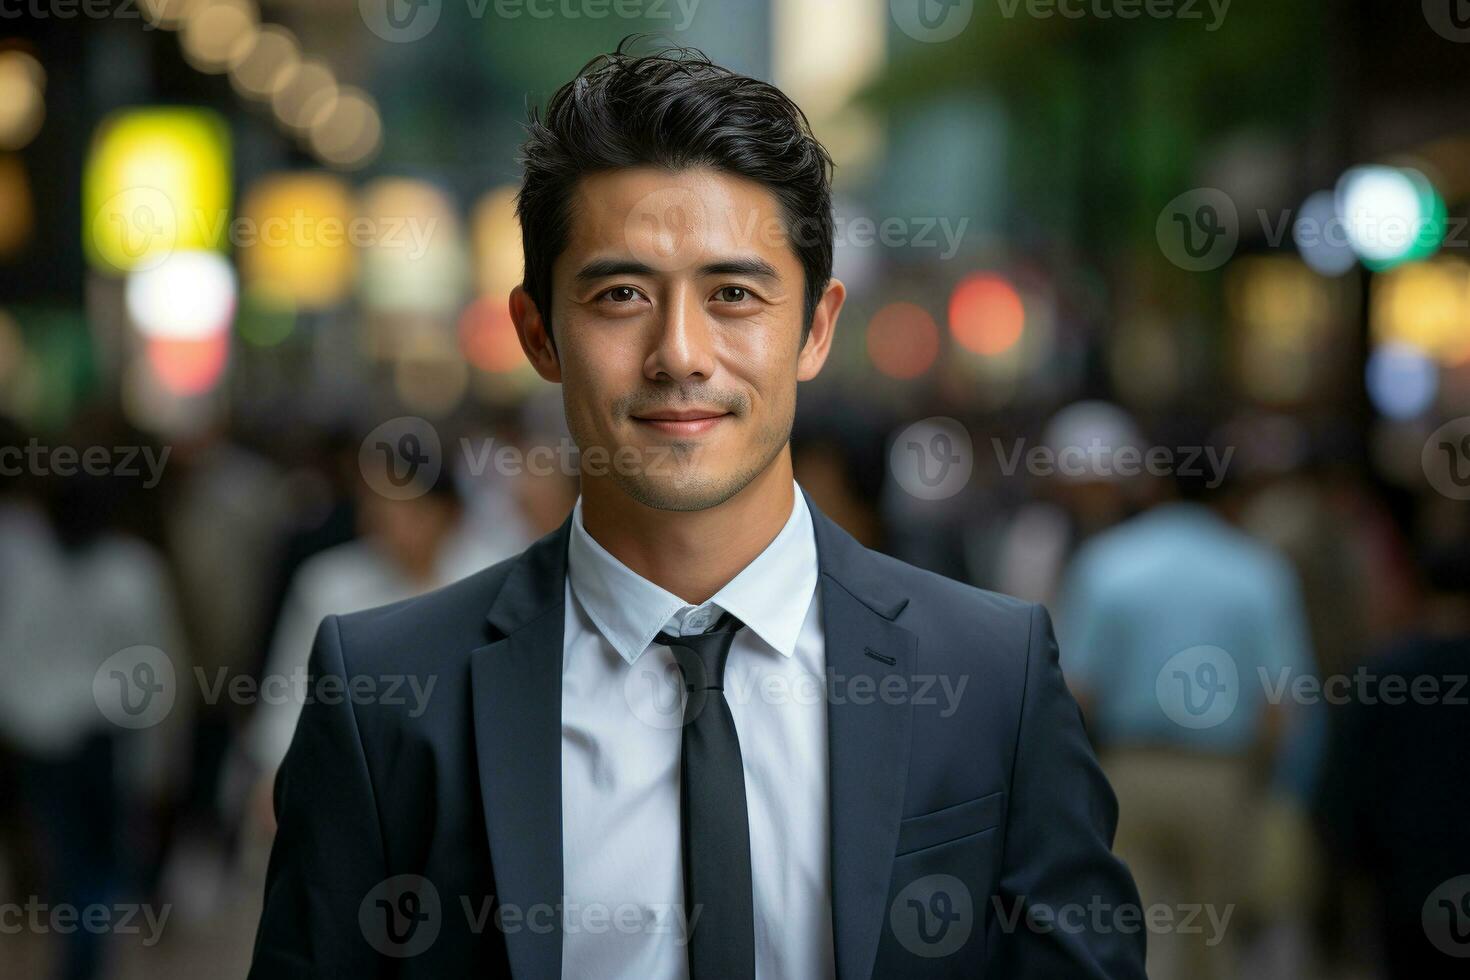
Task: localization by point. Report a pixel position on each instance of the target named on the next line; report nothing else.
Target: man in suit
(698, 730)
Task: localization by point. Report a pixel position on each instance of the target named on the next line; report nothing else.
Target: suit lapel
(516, 691)
(867, 738)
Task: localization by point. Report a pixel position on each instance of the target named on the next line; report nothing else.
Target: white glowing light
(187, 296)
(1383, 210)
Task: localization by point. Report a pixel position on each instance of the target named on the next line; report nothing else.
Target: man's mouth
(682, 421)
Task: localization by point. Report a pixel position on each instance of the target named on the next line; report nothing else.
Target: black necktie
(712, 817)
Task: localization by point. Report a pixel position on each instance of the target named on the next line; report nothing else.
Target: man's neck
(694, 553)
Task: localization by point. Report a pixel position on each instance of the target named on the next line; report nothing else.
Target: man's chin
(691, 488)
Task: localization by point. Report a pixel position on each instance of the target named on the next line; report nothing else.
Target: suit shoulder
(940, 599)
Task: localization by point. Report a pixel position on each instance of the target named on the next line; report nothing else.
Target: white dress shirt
(621, 718)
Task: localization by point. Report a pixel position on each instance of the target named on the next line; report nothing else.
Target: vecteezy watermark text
(404, 21)
(1099, 917)
(1105, 461)
(402, 916)
(124, 919)
(1215, 10)
(37, 459)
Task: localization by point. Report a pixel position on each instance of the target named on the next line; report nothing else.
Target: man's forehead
(664, 216)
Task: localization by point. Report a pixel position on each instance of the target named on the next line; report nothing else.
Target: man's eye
(732, 294)
(622, 294)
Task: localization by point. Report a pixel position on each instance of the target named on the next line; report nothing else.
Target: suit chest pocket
(939, 893)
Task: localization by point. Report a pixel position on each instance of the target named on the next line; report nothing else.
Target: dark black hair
(674, 109)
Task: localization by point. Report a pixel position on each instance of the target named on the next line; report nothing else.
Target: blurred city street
(1158, 314)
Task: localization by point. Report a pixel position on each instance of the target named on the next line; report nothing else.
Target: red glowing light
(986, 314)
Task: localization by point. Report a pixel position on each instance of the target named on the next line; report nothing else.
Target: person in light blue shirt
(1182, 638)
(1179, 630)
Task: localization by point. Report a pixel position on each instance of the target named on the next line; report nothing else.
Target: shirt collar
(771, 595)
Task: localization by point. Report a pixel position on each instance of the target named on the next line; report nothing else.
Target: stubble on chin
(675, 480)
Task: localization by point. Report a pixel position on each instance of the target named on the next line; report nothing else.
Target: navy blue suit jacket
(971, 836)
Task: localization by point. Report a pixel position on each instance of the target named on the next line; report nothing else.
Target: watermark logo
(933, 458)
(1450, 19)
(667, 228)
(401, 916)
(1446, 458)
(1446, 917)
(932, 21)
(135, 688)
(400, 21)
(138, 225)
(1199, 230)
(402, 458)
(654, 691)
(658, 696)
(933, 916)
(1198, 687)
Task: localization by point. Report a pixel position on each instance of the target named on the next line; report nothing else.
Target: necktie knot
(701, 656)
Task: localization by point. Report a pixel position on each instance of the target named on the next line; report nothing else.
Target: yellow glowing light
(1283, 314)
(497, 238)
(157, 180)
(17, 216)
(298, 249)
(1424, 305)
(22, 98)
(415, 260)
(1278, 296)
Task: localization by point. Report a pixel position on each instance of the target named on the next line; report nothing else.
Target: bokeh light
(1390, 214)
(213, 31)
(1426, 305)
(986, 314)
(415, 261)
(156, 180)
(903, 340)
(188, 296)
(22, 98)
(188, 366)
(299, 251)
(488, 337)
(1320, 238)
(1402, 380)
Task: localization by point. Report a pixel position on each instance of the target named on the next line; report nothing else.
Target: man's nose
(684, 346)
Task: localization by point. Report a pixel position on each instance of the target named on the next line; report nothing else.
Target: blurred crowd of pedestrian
(1206, 616)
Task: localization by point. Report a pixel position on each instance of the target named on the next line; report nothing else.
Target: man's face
(677, 313)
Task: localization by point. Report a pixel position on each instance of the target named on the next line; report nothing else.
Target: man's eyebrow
(602, 268)
(752, 266)
(746, 266)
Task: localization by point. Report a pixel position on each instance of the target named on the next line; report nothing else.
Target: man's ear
(824, 325)
(535, 338)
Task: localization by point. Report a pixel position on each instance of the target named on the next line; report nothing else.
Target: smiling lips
(683, 422)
